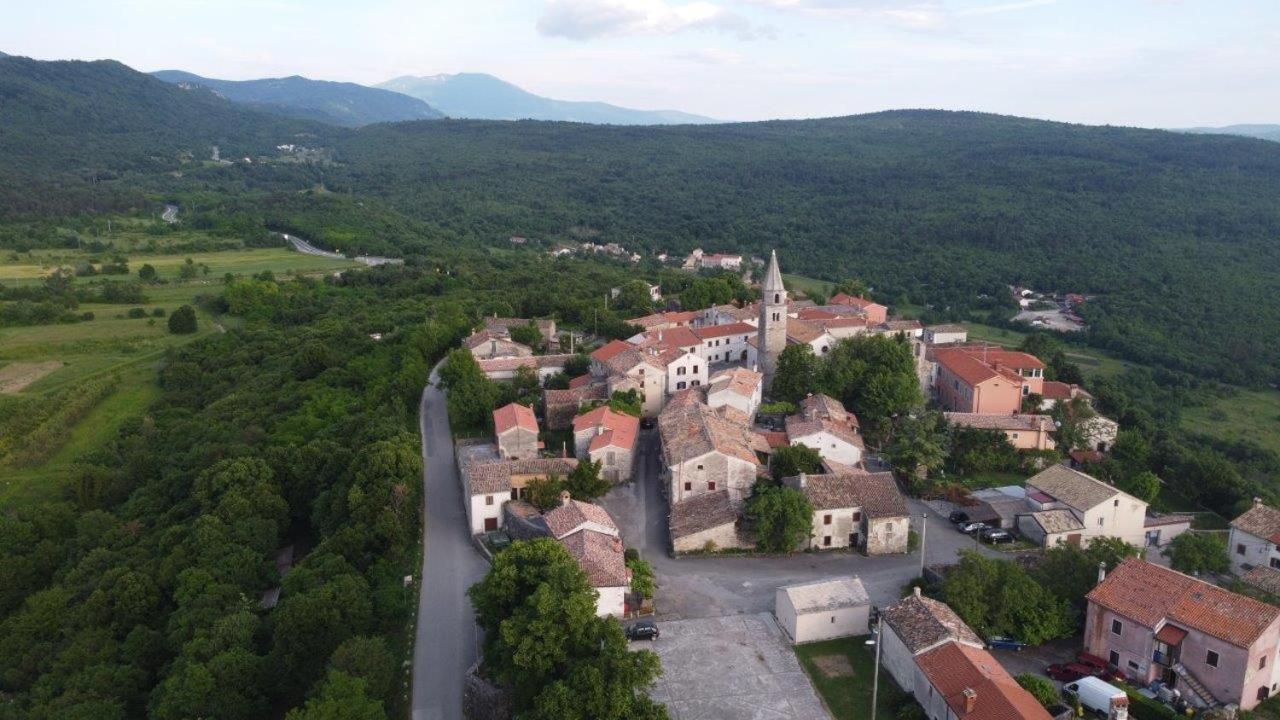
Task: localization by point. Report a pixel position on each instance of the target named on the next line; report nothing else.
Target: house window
(1211, 659)
(1014, 436)
(826, 541)
(680, 371)
(695, 383)
(515, 494)
(688, 486)
(711, 485)
(1116, 503)
(695, 369)
(1114, 658)
(488, 499)
(681, 385)
(609, 458)
(1240, 549)
(1117, 627)
(1275, 563)
(1133, 665)
(1262, 662)
(777, 298)
(699, 467)
(857, 517)
(1099, 522)
(826, 519)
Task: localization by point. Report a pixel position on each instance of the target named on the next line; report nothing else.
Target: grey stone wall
(482, 700)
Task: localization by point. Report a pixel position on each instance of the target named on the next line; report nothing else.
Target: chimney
(917, 591)
(617, 544)
(1102, 571)
(1257, 502)
(564, 497)
(970, 700)
(493, 347)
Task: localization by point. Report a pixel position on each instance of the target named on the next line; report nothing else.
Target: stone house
(1066, 505)
(724, 343)
(738, 388)
(946, 334)
(591, 537)
(560, 406)
(873, 311)
(706, 450)
(609, 438)
(855, 509)
(489, 344)
(504, 368)
(706, 521)
(486, 485)
(546, 326)
(1215, 646)
(516, 429)
(932, 654)
(824, 425)
(1024, 432)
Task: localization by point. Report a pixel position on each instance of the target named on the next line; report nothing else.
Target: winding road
(170, 214)
(447, 642)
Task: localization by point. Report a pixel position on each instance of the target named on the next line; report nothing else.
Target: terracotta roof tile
(921, 623)
(611, 349)
(600, 556)
(614, 428)
(983, 421)
(567, 517)
(740, 381)
(1073, 488)
(1260, 521)
(1057, 521)
(976, 686)
(716, 331)
(493, 477)
(1150, 594)
(514, 415)
(702, 512)
(875, 492)
(507, 364)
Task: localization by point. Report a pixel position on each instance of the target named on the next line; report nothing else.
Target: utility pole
(875, 676)
(924, 533)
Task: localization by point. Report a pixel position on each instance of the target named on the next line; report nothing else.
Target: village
(666, 467)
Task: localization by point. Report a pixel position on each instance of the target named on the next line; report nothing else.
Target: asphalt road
(170, 214)
(446, 643)
(704, 587)
(303, 246)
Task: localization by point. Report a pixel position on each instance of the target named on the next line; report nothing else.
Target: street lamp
(924, 533)
(875, 674)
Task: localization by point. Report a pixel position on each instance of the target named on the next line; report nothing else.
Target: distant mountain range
(1263, 132)
(485, 97)
(336, 103)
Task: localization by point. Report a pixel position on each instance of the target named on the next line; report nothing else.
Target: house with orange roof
(591, 537)
(985, 380)
(824, 425)
(609, 438)
(940, 660)
(1215, 646)
(516, 429)
(1024, 431)
(1254, 545)
(706, 450)
(874, 312)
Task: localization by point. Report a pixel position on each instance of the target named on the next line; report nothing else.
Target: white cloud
(911, 14)
(589, 19)
(1005, 7)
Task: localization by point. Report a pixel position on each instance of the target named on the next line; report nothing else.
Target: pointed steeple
(773, 278)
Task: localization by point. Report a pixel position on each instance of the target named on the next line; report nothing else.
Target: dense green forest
(1177, 235)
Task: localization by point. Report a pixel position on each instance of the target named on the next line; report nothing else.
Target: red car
(1100, 668)
(1068, 672)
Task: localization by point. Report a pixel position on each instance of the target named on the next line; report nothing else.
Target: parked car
(1068, 672)
(958, 516)
(643, 630)
(999, 642)
(1101, 668)
(970, 528)
(646, 423)
(995, 535)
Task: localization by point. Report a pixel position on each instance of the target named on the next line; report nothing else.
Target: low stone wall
(482, 700)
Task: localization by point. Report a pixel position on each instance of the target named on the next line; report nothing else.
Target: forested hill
(66, 125)
(1178, 235)
(338, 103)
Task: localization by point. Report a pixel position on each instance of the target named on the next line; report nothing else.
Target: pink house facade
(1215, 646)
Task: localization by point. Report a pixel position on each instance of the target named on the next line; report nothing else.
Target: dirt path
(14, 377)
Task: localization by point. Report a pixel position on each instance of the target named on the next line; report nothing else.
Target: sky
(1152, 63)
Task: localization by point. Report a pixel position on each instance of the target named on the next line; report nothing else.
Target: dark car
(970, 528)
(646, 423)
(958, 516)
(995, 535)
(1068, 672)
(1100, 668)
(999, 642)
(643, 630)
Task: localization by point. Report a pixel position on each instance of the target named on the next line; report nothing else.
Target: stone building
(772, 328)
(855, 509)
(516, 430)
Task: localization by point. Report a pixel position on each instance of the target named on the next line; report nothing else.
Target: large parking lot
(739, 667)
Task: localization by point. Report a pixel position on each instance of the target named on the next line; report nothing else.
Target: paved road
(446, 643)
(303, 246)
(170, 214)
(703, 587)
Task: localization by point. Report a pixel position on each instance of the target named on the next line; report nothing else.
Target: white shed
(823, 610)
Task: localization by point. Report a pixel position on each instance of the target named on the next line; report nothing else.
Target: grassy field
(808, 285)
(1252, 415)
(842, 671)
(113, 344)
(1091, 361)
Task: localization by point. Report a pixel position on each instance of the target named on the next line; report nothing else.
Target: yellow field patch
(14, 377)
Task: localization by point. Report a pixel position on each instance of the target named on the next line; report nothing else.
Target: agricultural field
(1252, 415)
(67, 388)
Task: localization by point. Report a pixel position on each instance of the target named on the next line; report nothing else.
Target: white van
(1101, 697)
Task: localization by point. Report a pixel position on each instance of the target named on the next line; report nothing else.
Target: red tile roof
(567, 517)
(976, 686)
(846, 299)
(715, 331)
(600, 556)
(616, 429)
(1150, 594)
(977, 364)
(679, 337)
(610, 350)
(509, 417)
(581, 381)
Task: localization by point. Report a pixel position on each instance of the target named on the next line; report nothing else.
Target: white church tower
(772, 330)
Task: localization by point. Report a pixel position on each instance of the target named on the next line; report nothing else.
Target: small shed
(823, 609)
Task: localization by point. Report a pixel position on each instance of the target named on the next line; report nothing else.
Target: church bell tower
(771, 335)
